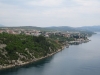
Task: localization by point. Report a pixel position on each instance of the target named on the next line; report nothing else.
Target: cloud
(48, 3)
(87, 2)
(50, 12)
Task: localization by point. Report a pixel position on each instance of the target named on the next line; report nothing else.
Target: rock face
(25, 57)
(19, 62)
(2, 46)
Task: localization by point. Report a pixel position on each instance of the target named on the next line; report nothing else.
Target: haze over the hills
(61, 28)
(45, 13)
(84, 28)
(90, 28)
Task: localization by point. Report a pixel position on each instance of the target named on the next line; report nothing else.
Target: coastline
(37, 59)
(31, 61)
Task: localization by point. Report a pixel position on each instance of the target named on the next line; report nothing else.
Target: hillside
(18, 49)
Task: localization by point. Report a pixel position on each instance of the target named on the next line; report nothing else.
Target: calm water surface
(83, 59)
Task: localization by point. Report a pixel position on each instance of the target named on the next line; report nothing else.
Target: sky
(45, 13)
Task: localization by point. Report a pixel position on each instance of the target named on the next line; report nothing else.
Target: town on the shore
(78, 36)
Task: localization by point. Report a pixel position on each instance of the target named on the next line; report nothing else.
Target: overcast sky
(44, 13)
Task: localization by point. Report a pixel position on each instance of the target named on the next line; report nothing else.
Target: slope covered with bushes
(23, 48)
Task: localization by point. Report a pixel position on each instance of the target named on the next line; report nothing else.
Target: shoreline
(4, 67)
(32, 61)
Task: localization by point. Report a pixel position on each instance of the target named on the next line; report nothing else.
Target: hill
(90, 28)
(62, 28)
(70, 29)
(21, 49)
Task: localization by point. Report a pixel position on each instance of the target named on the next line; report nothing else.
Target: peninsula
(19, 46)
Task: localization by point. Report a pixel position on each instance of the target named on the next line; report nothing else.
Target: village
(78, 37)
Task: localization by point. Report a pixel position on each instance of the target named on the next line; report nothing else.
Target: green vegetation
(19, 48)
(25, 48)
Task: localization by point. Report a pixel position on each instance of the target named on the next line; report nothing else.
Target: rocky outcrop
(19, 62)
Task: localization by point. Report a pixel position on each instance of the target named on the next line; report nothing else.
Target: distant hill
(62, 28)
(29, 28)
(72, 29)
(90, 28)
(32, 27)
